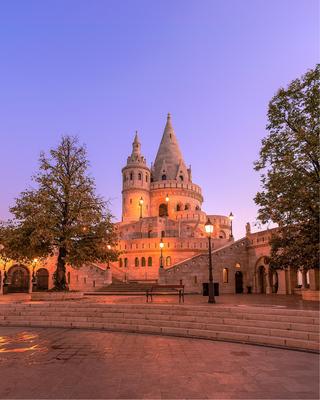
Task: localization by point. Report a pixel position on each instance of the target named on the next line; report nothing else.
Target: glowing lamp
(208, 227)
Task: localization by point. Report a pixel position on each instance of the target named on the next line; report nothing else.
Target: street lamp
(140, 205)
(231, 217)
(161, 247)
(209, 229)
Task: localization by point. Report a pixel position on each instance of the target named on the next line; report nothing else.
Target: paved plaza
(239, 300)
(65, 363)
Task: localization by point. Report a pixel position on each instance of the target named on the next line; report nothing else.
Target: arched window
(149, 234)
(146, 178)
(179, 207)
(131, 176)
(225, 275)
(139, 176)
(136, 262)
(149, 261)
(126, 262)
(120, 263)
(143, 262)
(181, 177)
(197, 208)
(187, 206)
(168, 261)
(164, 177)
(163, 210)
(163, 233)
(222, 235)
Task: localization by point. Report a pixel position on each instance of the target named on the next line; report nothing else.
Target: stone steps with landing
(219, 323)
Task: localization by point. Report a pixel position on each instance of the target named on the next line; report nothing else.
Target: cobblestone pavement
(240, 300)
(64, 363)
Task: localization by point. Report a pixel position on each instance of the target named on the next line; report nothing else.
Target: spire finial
(169, 116)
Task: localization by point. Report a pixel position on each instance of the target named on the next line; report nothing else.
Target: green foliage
(62, 215)
(289, 162)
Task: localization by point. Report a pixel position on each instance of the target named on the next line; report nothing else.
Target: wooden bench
(160, 289)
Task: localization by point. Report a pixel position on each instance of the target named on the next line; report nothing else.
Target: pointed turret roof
(169, 154)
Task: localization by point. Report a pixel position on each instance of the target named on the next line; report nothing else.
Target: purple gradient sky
(102, 69)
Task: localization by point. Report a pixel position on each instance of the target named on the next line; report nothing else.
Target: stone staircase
(293, 329)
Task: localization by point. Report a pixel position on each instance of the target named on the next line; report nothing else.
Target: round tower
(136, 178)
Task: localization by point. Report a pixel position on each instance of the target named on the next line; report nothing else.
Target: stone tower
(136, 185)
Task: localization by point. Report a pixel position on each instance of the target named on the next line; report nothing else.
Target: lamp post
(109, 248)
(34, 264)
(140, 205)
(167, 202)
(231, 217)
(209, 229)
(161, 247)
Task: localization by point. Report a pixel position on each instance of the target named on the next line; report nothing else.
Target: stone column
(108, 277)
(268, 284)
(292, 280)
(282, 286)
(314, 279)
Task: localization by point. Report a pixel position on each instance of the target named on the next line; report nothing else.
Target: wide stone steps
(284, 328)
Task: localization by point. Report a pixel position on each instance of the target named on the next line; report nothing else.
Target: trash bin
(216, 288)
(205, 289)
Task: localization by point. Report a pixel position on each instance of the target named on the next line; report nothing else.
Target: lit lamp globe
(208, 227)
(167, 198)
(141, 201)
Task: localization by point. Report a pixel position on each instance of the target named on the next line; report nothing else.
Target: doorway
(18, 277)
(239, 282)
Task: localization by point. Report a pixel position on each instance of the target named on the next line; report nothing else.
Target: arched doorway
(239, 282)
(262, 279)
(42, 279)
(18, 278)
(163, 210)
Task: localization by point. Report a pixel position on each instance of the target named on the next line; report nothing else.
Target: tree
(289, 165)
(62, 215)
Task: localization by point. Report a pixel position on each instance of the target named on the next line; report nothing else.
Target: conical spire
(136, 145)
(169, 154)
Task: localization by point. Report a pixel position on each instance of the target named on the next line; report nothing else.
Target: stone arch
(164, 177)
(42, 276)
(222, 235)
(262, 276)
(18, 279)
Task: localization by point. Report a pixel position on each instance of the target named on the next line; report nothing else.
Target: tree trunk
(60, 282)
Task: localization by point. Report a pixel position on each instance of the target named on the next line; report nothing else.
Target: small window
(146, 178)
(181, 178)
(120, 262)
(225, 275)
(187, 207)
(126, 263)
(149, 261)
(68, 277)
(136, 262)
(164, 177)
(179, 206)
(139, 176)
(195, 279)
(143, 262)
(93, 283)
(163, 233)
(131, 176)
(168, 261)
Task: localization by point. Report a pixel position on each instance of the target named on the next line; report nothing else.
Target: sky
(103, 69)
